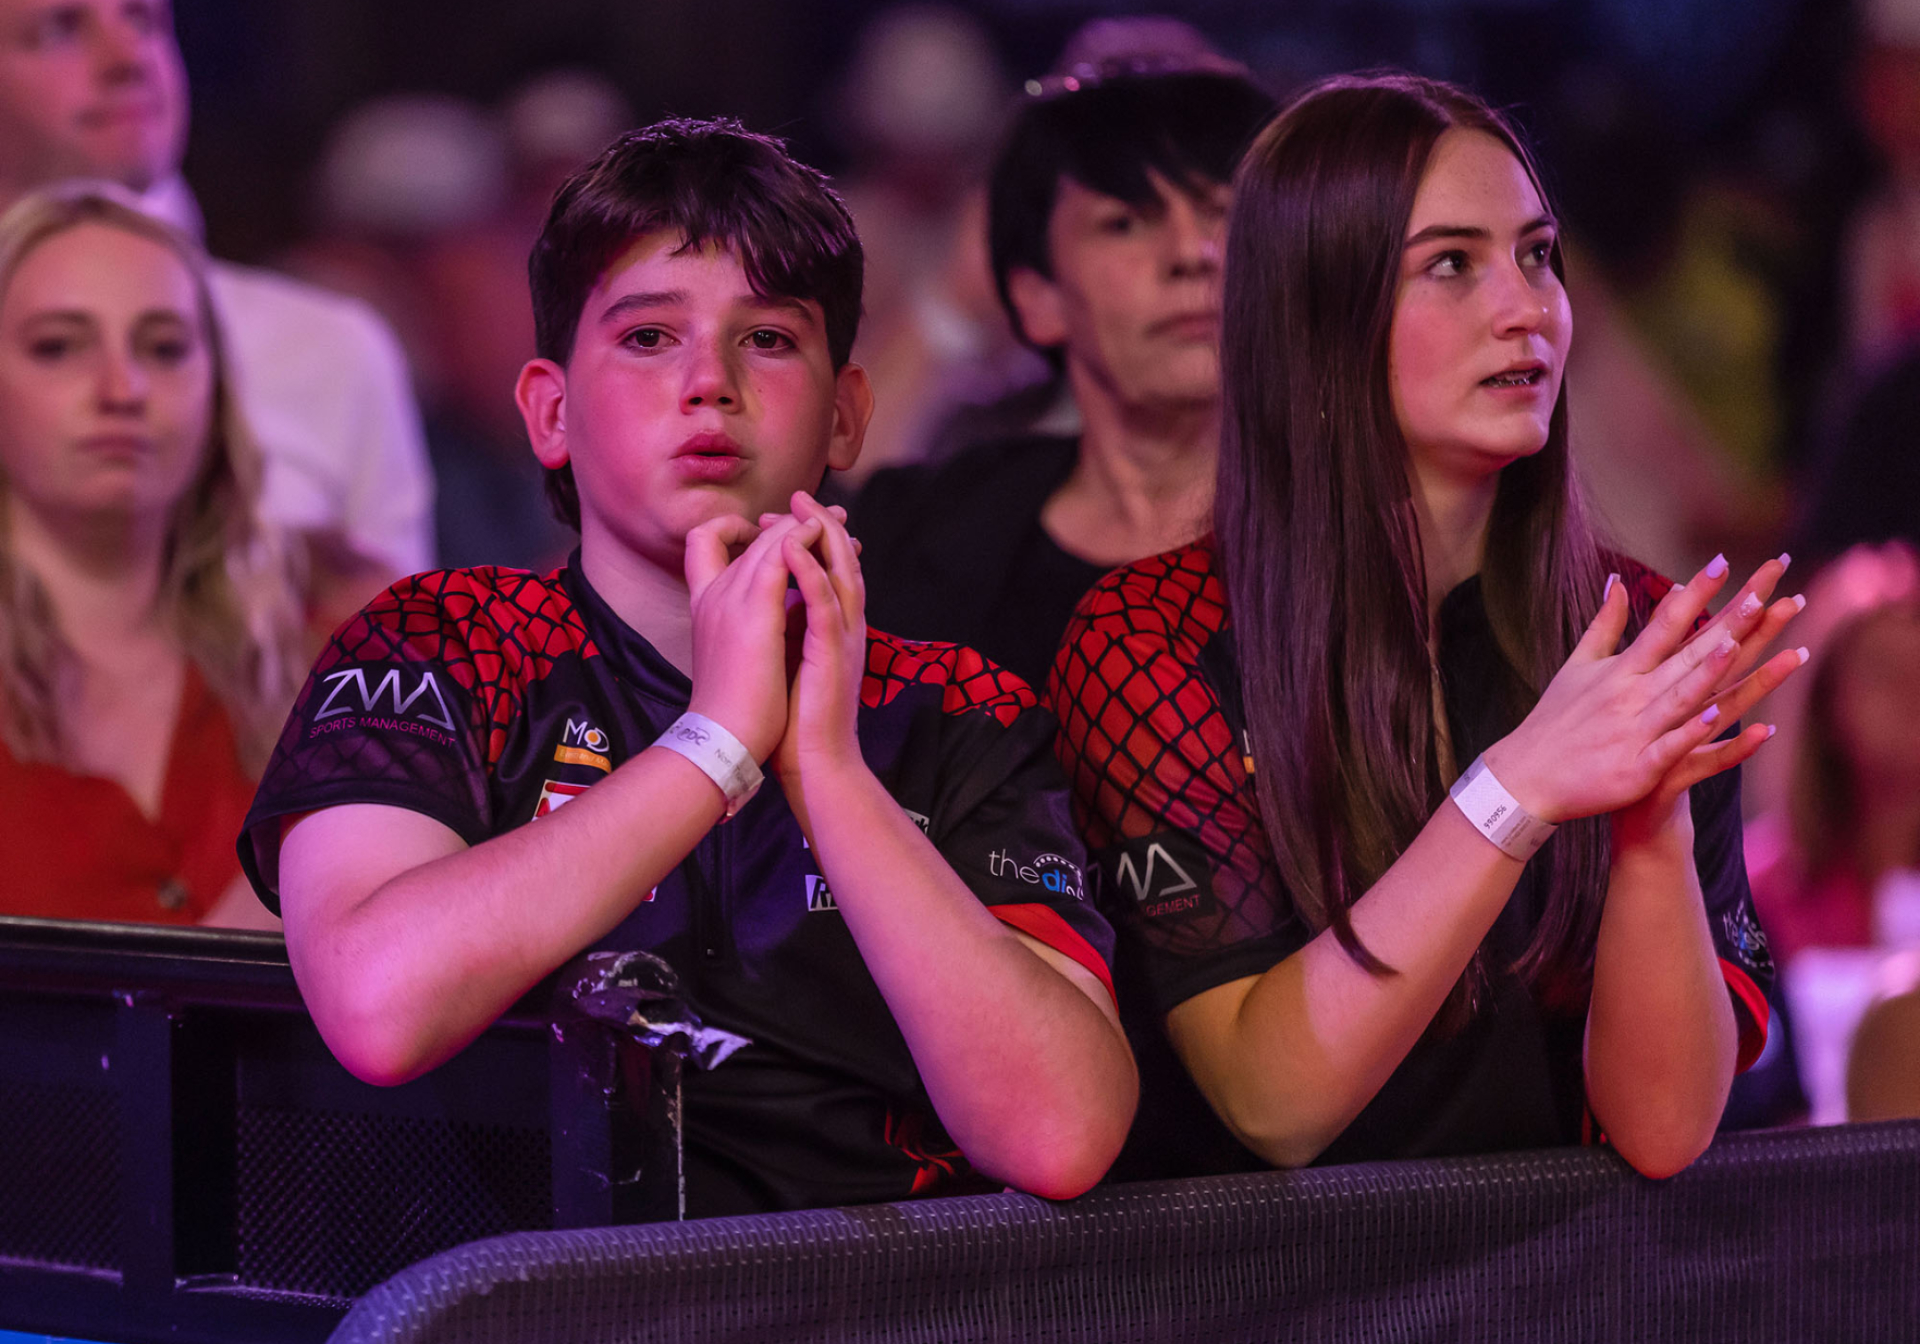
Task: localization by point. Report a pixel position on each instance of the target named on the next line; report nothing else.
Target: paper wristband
(1485, 802)
(721, 756)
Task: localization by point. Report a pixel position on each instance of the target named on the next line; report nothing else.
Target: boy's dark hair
(1106, 129)
(712, 182)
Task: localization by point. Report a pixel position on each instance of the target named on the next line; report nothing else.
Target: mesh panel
(59, 1170)
(334, 1203)
(1161, 786)
(970, 680)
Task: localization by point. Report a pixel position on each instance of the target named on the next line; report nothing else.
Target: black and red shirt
(485, 698)
(1147, 688)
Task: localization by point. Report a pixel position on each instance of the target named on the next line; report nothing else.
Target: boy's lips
(709, 458)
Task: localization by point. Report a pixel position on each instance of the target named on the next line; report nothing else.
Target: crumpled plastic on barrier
(640, 994)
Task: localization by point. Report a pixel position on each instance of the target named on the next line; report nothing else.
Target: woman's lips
(1522, 382)
(117, 447)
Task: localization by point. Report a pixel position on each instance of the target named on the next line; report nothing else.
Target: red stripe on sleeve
(1748, 996)
(1045, 923)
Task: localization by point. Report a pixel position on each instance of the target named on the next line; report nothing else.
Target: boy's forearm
(1029, 1073)
(1661, 1036)
(403, 977)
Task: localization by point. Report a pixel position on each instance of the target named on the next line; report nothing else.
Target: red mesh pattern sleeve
(970, 681)
(412, 699)
(494, 630)
(1160, 785)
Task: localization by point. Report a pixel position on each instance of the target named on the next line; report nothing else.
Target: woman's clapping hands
(1635, 728)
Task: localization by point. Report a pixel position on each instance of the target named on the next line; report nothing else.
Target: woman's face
(1480, 321)
(106, 377)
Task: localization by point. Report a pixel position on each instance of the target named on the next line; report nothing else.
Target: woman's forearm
(1661, 1036)
(1288, 1058)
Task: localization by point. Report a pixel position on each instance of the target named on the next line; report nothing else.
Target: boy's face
(1134, 297)
(688, 397)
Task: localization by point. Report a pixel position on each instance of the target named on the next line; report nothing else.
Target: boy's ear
(1039, 302)
(852, 409)
(541, 394)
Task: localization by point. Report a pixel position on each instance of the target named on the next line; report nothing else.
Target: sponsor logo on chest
(819, 894)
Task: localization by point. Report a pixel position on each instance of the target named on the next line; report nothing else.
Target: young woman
(148, 632)
(1402, 597)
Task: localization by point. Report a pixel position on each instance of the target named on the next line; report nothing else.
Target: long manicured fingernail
(1726, 646)
(1772, 728)
(1751, 605)
(1716, 566)
(1785, 559)
(1607, 592)
(1799, 601)
(1711, 716)
(1804, 655)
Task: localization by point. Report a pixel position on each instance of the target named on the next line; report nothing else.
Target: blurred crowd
(360, 425)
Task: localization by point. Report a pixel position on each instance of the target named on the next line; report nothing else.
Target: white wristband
(1494, 812)
(721, 756)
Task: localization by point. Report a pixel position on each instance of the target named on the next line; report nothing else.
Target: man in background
(97, 88)
(1107, 207)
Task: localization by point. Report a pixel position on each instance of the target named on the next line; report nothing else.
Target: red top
(79, 847)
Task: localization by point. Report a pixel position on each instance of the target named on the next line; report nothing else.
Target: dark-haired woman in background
(1402, 599)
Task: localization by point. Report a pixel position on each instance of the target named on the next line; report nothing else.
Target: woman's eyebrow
(1435, 232)
(1473, 232)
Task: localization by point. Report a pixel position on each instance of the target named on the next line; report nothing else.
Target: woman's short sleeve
(1162, 787)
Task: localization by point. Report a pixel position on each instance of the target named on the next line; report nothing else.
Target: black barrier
(1792, 1236)
(184, 1159)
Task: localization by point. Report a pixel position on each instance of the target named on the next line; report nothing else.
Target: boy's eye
(766, 339)
(647, 338)
(1120, 224)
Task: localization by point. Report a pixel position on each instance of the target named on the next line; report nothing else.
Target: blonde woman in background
(149, 630)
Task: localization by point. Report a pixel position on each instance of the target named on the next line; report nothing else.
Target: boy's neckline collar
(635, 657)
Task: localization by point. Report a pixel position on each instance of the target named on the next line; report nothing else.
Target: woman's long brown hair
(1317, 541)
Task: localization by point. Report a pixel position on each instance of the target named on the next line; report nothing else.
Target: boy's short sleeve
(1164, 794)
(395, 712)
(979, 775)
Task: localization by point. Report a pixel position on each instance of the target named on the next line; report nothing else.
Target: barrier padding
(1793, 1235)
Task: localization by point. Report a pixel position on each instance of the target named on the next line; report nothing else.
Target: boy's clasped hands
(780, 669)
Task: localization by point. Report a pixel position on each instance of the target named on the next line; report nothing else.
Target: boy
(696, 294)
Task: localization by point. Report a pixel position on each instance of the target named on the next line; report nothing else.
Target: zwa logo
(1155, 876)
(432, 705)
